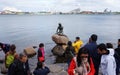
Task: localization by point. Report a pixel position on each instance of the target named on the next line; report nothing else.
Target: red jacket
(73, 66)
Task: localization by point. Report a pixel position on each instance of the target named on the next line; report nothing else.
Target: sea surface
(30, 30)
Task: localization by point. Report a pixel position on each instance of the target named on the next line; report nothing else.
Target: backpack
(69, 53)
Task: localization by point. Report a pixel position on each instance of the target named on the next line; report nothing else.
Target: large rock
(60, 39)
(30, 51)
(57, 70)
(58, 50)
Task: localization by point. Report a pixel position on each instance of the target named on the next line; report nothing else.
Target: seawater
(29, 30)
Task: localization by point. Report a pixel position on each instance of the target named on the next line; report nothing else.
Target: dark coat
(41, 71)
(92, 47)
(69, 52)
(117, 59)
(118, 50)
(19, 68)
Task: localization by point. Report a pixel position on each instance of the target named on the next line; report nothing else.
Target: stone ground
(55, 68)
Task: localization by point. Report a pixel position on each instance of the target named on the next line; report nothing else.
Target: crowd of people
(17, 64)
(95, 59)
(88, 59)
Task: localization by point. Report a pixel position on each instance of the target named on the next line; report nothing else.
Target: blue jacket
(41, 71)
(92, 47)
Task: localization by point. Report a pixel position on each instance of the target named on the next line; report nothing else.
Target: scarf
(83, 69)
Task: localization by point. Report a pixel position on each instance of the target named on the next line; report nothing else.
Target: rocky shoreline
(55, 68)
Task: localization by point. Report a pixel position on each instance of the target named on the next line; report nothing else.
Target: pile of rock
(60, 39)
(61, 43)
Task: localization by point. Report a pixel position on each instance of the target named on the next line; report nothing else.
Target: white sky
(60, 5)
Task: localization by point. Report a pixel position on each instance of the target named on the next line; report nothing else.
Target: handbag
(41, 59)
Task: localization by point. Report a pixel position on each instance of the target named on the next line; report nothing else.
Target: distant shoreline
(64, 14)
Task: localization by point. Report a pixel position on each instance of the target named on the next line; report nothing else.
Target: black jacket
(118, 50)
(19, 68)
(69, 52)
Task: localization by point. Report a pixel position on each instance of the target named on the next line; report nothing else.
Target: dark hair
(59, 24)
(118, 40)
(12, 47)
(77, 37)
(69, 43)
(41, 45)
(39, 65)
(22, 55)
(94, 37)
(1, 45)
(109, 45)
(101, 47)
(82, 50)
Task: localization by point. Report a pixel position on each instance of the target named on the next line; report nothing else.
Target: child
(41, 53)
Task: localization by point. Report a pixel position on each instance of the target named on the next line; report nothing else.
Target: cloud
(61, 5)
(67, 1)
(11, 9)
(113, 2)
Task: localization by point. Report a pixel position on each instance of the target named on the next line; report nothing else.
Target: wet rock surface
(30, 51)
(58, 50)
(60, 39)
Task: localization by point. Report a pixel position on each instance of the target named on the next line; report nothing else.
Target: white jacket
(108, 64)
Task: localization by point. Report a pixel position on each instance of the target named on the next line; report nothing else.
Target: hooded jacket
(108, 64)
(77, 45)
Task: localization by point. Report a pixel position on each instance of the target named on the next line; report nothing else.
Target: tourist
(10, 56)
(59, 29)
(41, 53)
(92, 48)
(118, 47)
(4, 47)
(69, 52)
(117, 58)
(41, 69)
(82, 64)
(107, 64)
(77, 44)
(20, 66)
